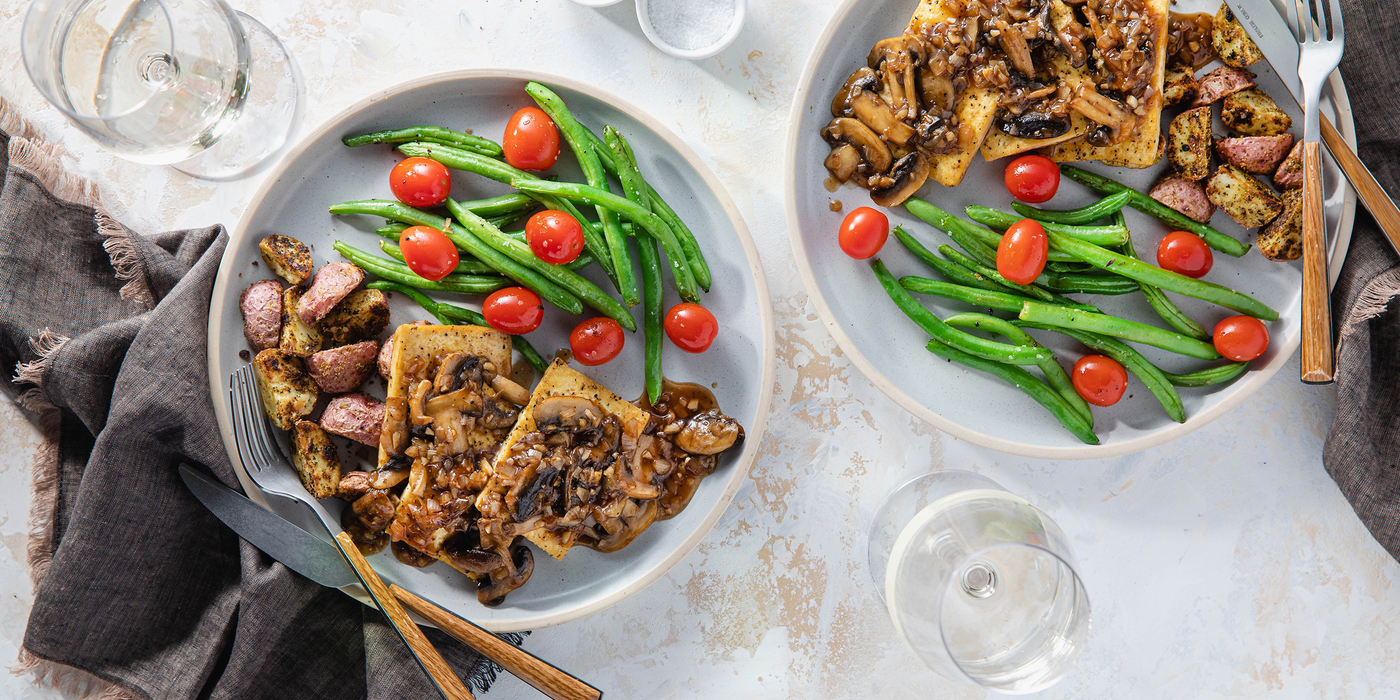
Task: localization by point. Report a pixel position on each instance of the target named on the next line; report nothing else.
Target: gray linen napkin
(1363, 447)
(139, 591)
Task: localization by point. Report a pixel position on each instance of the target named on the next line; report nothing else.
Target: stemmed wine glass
(188, 83)
(979, 583)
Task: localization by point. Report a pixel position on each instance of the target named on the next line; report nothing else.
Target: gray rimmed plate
(888, 348)
(320, 171)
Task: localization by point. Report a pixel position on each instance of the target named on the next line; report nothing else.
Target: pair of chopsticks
(544, 677)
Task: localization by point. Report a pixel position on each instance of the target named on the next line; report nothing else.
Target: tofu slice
(562, 380)
(976, 108)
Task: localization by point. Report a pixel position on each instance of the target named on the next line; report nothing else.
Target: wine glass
(188, 83)
(979, 583)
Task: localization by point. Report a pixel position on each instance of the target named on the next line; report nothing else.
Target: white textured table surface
(1222, 565)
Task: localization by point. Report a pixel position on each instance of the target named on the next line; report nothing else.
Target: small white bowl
(735, 25)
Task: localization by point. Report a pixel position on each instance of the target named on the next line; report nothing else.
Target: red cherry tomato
(428, 252)
(554, 236)
(691, 327)
(863, 233)
(1023, 251)
(1184, 253)
(1241, 338)
(420, 182)
(1033, 179)
(513, 310)
(1099, 380)
(596, 341)
(531, 141)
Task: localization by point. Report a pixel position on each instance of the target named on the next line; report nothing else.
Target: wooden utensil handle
(1317, 313)
(1381, 206)
(446, 679)
(522, 664)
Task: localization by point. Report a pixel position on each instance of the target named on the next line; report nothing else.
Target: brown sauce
(831, 184)
(410, 556)
(1189, 39)
(835, 205)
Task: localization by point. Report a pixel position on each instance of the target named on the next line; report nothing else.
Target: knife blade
(1263, 23)
(296, 548)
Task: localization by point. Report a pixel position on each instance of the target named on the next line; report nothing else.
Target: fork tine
(259, 430)
(248, 441)
(1334, 19)
(1292, 13)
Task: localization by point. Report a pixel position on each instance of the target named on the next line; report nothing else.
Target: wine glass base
(270, 112)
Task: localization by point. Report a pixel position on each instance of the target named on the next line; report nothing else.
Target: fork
(269, 469)
(1317, 25)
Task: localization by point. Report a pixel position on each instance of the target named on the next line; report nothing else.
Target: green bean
(1068, 267)
(447, 315)
(1078, 283)
(391, 230)
(1154, 208)
(1000, 301)
(593, 172)
(652, 308)
(936, 328)
(586, 291)
(1098, 235)
(651, 223)
(1211, 375)
(431, 134)
(951, 270)
(1059, 316)
(948, 223)
(695, 259)
(1167, 280)
(465, 240)
(501, 172)
(512, 203)
(1028, 290)
(1169, 311)
(628, 172)
(1151, 377)
(464, 267)
(1054, 373)
(399, 272)
(1021, 379)
(1083, 215)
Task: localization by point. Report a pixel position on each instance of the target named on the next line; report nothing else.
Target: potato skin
(1290, 172)
(261, 304)
(1188, 143)
(359, 417)
(1282, 239)
(316, 459)
(1259, 155)
(332, 283)
(286, 390)
(1179, 86)
(1247, 200)
(363, 315)
(343, 369)
(1185, 196)
(1221, 83)
(287, 258)
(1231, 42)
(297, 338)
(1253, 113)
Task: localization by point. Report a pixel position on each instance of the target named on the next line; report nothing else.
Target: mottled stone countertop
(1225, 564)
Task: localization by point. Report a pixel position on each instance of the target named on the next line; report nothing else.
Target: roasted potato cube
(1255, 154)
(316, 459)
(1247, 200)
(1290, 172)
(1282, 239)
(361, 316)
(261, 304)
(1185, 196)
(343, 369)
(287, 258)
(1180, 87)
(1231, 42)
(1221, 83)
(1188, 143)
(297, 338)
(286, 390)
(1254, 113)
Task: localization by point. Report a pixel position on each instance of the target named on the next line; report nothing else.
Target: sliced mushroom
(418, 404)
(880, 117)
(374, 509)
(446, 378)
(708, 433)
(936, 92)
(903, 180)
(635, 518)
(354, 485)
(466, 400)
(843, 162)
(1034, 125)
(389, 478)
(1102, 110)
(492, 591)
(1013, 42)
(510, 391)
(463, 550)
(864, 79)
(394, 437)
(898, 60)
(567, 413)
(874, 152)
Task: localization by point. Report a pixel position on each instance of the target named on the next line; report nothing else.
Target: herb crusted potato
(1247, 200)
(1282, 239)
(286, 390)
(287, 258)
(297, 338)
(1188, 143)
(316, 459)
(1254, 113)
(1231, 42)
(362, 315)
(1179, 87)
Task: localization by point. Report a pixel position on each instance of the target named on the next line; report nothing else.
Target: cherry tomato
(554, 236)
(691, 327)
(1033, 179)
(1023, 250)
(596, 341)
(531, 141)
(1184, 253)
(1099, 380)
(513, 310)
(1241, 338)
(420, 182)
(863, 233)
(428, 252)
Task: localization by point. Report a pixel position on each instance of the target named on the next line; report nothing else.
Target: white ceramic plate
(320, 171)
(888, 348)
